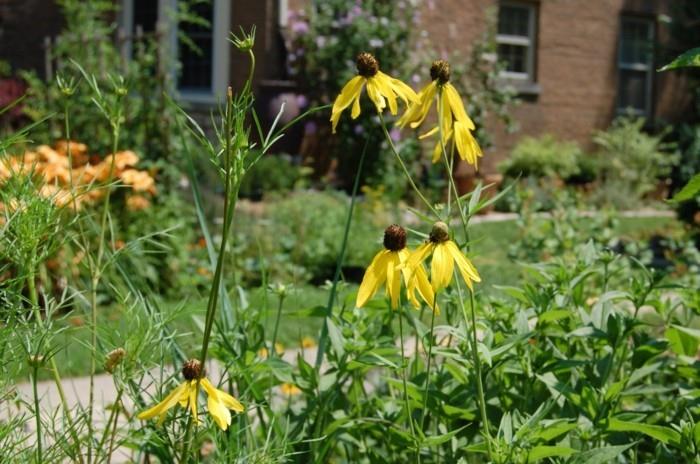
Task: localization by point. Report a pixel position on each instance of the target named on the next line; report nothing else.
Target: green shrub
(631, 163)
(544, 157)
(272, 173)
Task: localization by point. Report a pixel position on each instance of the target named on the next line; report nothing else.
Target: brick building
(576, 63)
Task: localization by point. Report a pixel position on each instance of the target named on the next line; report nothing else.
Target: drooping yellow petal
(375, 94)
(162, 408)
(445, 112)
(417, 280)
(355, 107)
(216, 407)
(467, 146)
(403, 91)
(350, 91)
(416, 112)
(383, 83)
(375, 275)
(466, 268)
(418, 256)
(441, 267)
(437, 151)
(192, 399)
(456, 106)
(393, 278)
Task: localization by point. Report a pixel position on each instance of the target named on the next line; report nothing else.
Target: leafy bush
(632, 162)
(272, 174)
(544, 157)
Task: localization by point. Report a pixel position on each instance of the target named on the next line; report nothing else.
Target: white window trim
(648, 68)
(220, 53)
(525, 41)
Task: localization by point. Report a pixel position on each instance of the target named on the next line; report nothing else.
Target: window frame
(220, 46)
(648, 68)
(529, 41)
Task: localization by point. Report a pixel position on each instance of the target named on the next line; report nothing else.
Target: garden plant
(590, 357)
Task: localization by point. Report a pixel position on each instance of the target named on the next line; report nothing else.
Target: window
(203, 70)
(516, 40)
(635, 66)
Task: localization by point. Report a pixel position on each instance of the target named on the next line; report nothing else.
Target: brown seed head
(440, 70)
(394, 238)
(192, 370)
(113, 359)
(440, 232)
(367, 65)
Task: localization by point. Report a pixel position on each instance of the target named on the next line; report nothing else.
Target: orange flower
(137, 203)
(140, 181)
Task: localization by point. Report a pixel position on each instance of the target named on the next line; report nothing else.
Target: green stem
(273, 351)
(323, 339)
(467, 320)
(37, 413)
(409, 414)
(405, 169)
(426, 392)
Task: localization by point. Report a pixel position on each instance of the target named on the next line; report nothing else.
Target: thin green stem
(426, 392)
(409, 414)
(277, 325)
(323, 339)
(405, 169)
(37, 412)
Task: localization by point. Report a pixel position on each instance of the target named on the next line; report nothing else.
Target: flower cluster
(396, 260)
(453, 121)
(71, 175)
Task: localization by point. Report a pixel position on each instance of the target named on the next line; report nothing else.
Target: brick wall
(576, 68)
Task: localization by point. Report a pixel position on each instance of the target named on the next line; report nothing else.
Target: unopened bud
(440, 232)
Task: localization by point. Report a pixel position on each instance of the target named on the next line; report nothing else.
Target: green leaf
(658, 432)
(440, 439)
(689, 191)
(689, 59)
(336, 337)
(555, 315)
(552, 431)
(601, 455)
(681, 342)
(314, 311)
(541, 452)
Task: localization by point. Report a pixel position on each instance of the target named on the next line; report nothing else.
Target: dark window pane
(514, 20)
(515, 57)
(145, 15)
(197, 60)
(633, 90)
(635, 42)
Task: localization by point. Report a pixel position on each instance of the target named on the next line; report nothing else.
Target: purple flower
(321, 41)
(358, 130)
(300, 27)
(415, 78)
(376, 43)
(302, 101)
(395, 134)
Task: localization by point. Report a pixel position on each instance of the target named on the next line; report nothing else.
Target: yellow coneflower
(454, 122)
(308, 342)
(264, 352)
(445, 254)
(387, 268)
(381, 89)
(218, 401)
